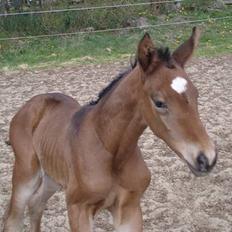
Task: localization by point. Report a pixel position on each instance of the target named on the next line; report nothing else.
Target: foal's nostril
(202, 162)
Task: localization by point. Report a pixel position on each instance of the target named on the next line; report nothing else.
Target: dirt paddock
(176, 201)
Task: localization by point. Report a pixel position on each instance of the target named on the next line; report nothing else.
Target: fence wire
(116, 29)
(89, 8)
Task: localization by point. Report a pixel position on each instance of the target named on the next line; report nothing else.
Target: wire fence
(24, 43)
(117, 29)
(73, 21)
(92, 30)
(90, 8)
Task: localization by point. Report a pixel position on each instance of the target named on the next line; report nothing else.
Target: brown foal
(92, 152)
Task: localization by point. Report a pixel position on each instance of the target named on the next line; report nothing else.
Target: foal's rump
(38, 126)
(28, 118)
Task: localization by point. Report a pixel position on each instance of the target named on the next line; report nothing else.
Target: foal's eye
(160, 105)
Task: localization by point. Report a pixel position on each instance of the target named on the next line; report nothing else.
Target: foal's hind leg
(38, 201)
(26, 179)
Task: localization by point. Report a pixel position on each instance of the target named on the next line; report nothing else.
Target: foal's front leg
(127, 213)
(80, 217)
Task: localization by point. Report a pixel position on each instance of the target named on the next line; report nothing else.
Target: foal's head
(170, 103)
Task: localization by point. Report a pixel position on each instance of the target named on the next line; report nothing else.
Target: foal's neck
(119, 122)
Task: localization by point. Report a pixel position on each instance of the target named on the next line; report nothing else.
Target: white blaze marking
(179, 84)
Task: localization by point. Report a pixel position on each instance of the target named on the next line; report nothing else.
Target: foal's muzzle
(202, 165)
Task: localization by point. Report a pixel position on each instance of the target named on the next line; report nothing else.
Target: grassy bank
(102, 47)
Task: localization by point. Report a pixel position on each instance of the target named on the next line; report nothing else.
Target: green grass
(104, 47)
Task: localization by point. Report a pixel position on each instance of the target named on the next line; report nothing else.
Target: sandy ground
(176, 201)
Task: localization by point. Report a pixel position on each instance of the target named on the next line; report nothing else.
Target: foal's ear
(183, 53)
(145, 51)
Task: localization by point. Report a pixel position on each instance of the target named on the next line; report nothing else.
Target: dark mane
(164, 55)
(110, 86)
